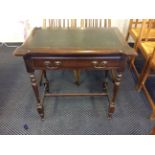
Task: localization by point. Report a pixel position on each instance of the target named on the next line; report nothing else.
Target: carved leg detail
(115, 91)
(40, 108)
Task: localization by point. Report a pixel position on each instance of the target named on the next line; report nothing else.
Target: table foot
(40, 110)
(109, 116)
(77, 76)
(111, 110)
(152, 117)
(77, 83)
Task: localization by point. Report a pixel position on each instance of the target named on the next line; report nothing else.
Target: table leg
(115, 91)
(40, 107)
(46, 81)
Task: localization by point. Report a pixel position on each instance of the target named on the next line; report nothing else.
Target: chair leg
(136, 45)
(77, 76)
(127, 36)
(152, 117)
(131, 62)
(153, 131)
(132, 58)
(143, 77)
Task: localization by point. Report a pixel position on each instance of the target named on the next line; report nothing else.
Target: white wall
(18, 30)
(11, 31)
(122, 24)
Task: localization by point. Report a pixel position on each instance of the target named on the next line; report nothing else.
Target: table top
(75, 41)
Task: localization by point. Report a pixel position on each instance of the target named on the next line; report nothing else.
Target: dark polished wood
(40, 107)
(115, 91)
(153, 131)
(75, 49)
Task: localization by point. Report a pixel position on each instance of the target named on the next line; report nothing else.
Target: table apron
(52, 64)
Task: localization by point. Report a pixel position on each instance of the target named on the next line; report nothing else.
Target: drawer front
(69, 63)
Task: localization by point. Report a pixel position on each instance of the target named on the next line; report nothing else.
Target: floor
(68, 115)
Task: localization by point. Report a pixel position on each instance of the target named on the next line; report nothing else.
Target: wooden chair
(146, 44)
(59, 23)
(148, 70)
(95, 23)
(137, 28)
(145, 33)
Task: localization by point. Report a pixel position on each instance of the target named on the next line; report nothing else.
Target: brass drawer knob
(47, 63)
(57, 63)
(104, 62)
(94, 62)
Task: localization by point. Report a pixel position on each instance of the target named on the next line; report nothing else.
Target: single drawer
(74, 63)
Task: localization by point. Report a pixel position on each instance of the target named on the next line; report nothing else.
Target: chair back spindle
(59, 23)
(95, 23)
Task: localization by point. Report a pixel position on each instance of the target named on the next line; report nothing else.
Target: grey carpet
(67, 115)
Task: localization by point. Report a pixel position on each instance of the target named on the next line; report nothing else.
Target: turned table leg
(40, 107)
(115, 91)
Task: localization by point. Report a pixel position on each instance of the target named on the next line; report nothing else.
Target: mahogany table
(91, 48)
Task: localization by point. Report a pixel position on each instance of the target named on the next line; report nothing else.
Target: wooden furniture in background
(59, 23)
(95, 23)
(153, 131)
(146, 44)
(139, 28)
(91, 49)
(148, 70)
